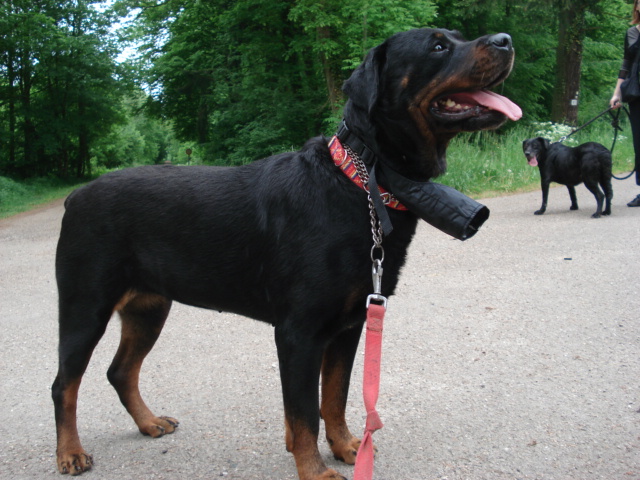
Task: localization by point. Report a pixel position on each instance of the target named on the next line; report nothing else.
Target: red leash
(355, 169)
(371, 376)
(371, 386)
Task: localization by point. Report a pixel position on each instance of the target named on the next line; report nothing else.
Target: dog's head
(420, 88)
(532, 149)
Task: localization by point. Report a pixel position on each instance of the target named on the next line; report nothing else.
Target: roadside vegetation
(489, 164)
(231, 82)
(20, 196)
(480, 165)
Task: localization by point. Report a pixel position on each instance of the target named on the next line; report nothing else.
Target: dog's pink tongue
(497, 102)
(533, 161)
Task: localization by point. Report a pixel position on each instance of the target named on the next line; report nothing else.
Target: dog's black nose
(500, 40)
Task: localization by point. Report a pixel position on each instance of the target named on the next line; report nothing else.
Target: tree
(253, 77)
(571, 34)
(58, 84)
(557, 43)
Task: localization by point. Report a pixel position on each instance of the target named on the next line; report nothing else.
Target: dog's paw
(573, 207)
(346, 451)
(74, 463)
(330, 474)
(595, 215)
(538, 212)
(159, 427)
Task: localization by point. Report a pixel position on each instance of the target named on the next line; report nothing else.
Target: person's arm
(615, 99)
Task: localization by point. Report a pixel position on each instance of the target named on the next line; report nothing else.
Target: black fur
(589, 163)
(285, 240)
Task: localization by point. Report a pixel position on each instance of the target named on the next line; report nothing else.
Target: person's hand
(615, 101)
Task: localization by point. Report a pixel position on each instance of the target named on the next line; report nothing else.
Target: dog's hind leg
(82, 324)
(143, 316)
(300, 357)
(608, 195)
(605, 183)
(573, 197)
(592, 186)
(336, 373)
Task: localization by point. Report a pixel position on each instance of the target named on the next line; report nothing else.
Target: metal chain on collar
(376, 228)
(376, 233)
(358, 163)
(376, 269)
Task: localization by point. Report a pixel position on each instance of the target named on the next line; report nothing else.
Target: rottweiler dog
(589, 163)
(286, 240)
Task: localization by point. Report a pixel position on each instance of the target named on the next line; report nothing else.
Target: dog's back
(595, 160)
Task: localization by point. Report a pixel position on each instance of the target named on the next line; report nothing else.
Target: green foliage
(58, 91)
(240, 80)
(16, 197)
(492, 163)
(138, 140)
(251, 78)
(480, 164)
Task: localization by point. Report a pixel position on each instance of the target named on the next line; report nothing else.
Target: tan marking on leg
(135, 343)
(71, 457)
(288, 436)
(126, 298)
(308, 460)
(343, 444)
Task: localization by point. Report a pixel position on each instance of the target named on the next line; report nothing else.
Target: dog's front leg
(300, 357)
(545, 197)
(337, 364)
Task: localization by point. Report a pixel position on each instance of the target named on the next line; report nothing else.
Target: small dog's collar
(346, 162)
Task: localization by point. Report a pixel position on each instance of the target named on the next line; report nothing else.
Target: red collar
(344, 162)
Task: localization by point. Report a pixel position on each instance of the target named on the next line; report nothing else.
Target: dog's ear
(363, 85)
(545, 142)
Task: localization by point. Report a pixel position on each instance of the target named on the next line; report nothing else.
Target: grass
(480, 164)
(16, 197)
(486, 164)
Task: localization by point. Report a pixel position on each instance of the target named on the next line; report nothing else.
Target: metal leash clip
(376, 275)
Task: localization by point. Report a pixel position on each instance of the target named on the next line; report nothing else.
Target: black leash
(615, 123)
(608, 110)
(617, 128)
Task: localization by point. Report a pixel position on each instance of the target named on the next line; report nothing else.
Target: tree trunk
(571, 35)
(83, 143)
(28, 126)
(11, 81)
(333, 90)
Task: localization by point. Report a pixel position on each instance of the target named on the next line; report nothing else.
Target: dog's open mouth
(465, 105)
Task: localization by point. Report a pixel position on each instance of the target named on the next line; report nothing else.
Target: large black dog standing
(589, 163)
(285, 240)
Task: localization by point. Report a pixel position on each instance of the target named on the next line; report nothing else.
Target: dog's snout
(501, 41)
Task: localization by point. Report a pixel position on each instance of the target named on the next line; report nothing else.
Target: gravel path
(514, 355)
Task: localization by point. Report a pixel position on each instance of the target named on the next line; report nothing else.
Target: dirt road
(514, 355)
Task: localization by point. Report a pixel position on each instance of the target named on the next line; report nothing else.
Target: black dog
(286, 240)
(589, 163)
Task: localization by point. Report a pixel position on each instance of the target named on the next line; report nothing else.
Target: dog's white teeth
(449, 104)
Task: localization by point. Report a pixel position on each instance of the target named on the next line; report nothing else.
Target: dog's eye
(439, 47)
